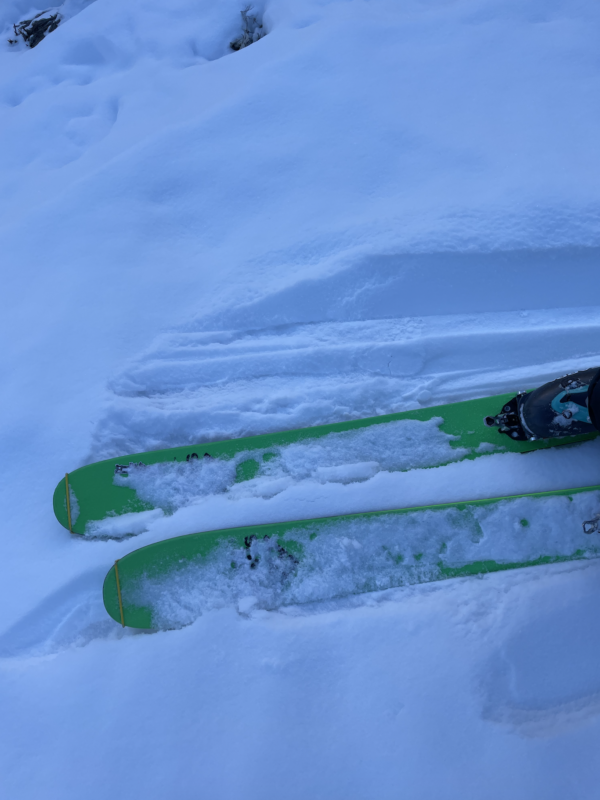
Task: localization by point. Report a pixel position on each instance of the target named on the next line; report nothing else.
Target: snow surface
(377, 206)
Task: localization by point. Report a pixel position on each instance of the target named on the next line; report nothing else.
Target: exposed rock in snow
(252, 30)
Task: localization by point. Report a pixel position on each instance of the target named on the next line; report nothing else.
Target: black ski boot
(568, 406)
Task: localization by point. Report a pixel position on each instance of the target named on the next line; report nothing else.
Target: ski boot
(567, 406)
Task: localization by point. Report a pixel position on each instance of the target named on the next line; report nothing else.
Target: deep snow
(374, 207)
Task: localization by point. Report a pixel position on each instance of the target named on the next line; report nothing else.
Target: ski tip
(114, 595)
(59, 502)
(110, 596)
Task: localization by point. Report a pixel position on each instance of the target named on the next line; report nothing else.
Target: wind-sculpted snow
(357, 555)
(73, 505)
(346, 457)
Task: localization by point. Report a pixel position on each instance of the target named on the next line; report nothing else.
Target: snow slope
(374, 207)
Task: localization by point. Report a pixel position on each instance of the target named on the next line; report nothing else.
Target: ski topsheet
(170, 583)
(89, 499)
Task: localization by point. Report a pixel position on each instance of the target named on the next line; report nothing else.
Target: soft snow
(377, 206)
(334, 458)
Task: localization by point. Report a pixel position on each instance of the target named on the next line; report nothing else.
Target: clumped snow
(378, 206)
(346, 457)
(73, 505)
(33, 31)
(352, 555)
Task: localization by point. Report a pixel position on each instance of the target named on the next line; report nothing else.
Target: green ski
(89, 497)
(169, 583)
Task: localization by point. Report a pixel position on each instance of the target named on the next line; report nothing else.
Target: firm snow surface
(376, 206)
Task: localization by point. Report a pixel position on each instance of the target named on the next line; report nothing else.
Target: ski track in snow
(194, 386)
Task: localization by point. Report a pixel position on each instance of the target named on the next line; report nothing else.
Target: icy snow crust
(359, 555)
(346, 457)
(377, 206)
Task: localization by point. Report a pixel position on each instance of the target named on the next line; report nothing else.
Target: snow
(124, 525)
(375, 207)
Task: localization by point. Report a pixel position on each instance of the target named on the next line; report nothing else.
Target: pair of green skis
(358, 552)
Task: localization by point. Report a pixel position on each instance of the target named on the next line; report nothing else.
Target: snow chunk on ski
(337, 458)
